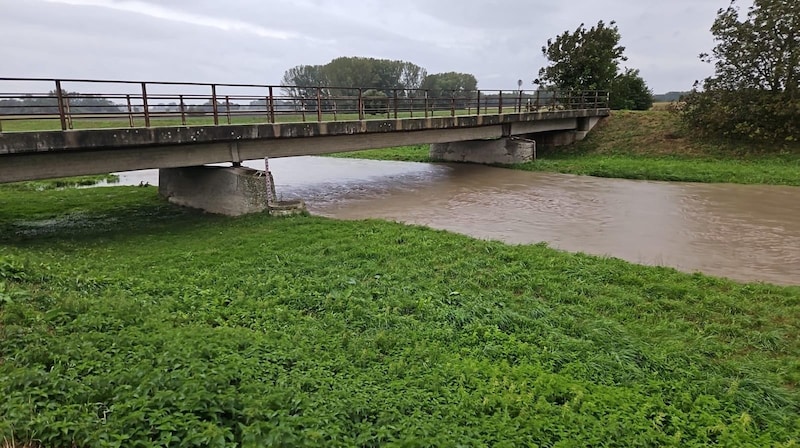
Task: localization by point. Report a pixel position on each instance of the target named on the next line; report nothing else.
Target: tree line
(48, 104)
(382, 78)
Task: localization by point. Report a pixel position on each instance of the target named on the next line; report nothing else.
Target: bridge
(56, 128)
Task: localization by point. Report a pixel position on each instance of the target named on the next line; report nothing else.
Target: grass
(652, 145)
(414, 153)
(61, 182)
(127, 322)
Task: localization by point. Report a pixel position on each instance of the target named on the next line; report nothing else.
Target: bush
(751, 114)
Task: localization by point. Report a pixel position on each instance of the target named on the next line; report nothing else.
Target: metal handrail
(154, 103)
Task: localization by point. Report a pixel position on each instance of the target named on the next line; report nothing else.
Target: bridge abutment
(510, 150)
(229, 191)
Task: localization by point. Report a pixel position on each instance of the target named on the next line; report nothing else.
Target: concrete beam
(43, 165)
(49, 141)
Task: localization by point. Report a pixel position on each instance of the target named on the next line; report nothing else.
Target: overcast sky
(255, 41)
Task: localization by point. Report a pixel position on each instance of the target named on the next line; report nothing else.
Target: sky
(256, 41)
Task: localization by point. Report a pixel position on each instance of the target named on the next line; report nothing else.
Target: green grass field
(128, 322)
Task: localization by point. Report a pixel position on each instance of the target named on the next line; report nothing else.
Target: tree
(584, 59)
(630, 92)
(450, 85)
(298, 81)
(754, 90)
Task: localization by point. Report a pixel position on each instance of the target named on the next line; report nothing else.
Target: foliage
(368, 334)
(584, 59)
(374, 101)
(48, 104)
(754, 91)
(758, 115)
(460, 86)
(440, 83)
(669, 97)
(136, 332)
(630, 92)
(343, 72)
(62, 182)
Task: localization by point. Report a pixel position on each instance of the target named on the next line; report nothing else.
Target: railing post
(426, 104)
(479, 102)
(271, 106)
(453, 103)
(303, 106)
(61, 112)
(395, 104)
(519, 102)
(319, 105)
(145, 105)
(130, 110)
(228, 108)
(183, 111)
(500, 104)
(360, 103)
(214, 109)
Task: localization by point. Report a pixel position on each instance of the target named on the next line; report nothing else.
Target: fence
(37, 104)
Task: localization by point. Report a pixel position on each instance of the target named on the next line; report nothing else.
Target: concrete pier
(229, 191)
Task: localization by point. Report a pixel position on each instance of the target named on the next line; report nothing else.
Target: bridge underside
(41, 155)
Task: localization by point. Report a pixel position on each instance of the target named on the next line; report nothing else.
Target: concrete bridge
(123, 130)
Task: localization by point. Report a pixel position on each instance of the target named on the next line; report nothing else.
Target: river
(744, 232)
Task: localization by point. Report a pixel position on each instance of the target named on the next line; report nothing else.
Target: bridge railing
(32, 104)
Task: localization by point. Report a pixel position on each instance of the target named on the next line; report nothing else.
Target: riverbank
(650, 145)
(62, 182)
(123, 318)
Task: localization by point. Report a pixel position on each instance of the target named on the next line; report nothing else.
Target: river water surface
(745, 232)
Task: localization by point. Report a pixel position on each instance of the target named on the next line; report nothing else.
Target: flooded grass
(62, 182)
(153, 325)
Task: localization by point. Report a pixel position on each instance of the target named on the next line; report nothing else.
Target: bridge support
(229, 191)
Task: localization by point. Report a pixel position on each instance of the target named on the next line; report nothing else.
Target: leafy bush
(750, 114)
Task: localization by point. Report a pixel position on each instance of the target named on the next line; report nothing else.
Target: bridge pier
(229, 191)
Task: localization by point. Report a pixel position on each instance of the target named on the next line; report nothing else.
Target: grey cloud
(498, 41)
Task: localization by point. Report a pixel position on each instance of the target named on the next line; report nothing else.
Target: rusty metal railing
(32, 104)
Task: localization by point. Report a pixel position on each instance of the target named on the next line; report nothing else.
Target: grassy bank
(127, 322)
(62, 182)
(652, 145)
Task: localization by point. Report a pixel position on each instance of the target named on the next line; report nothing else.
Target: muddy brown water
(744, 232)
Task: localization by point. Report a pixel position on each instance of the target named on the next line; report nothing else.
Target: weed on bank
(128, 322)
